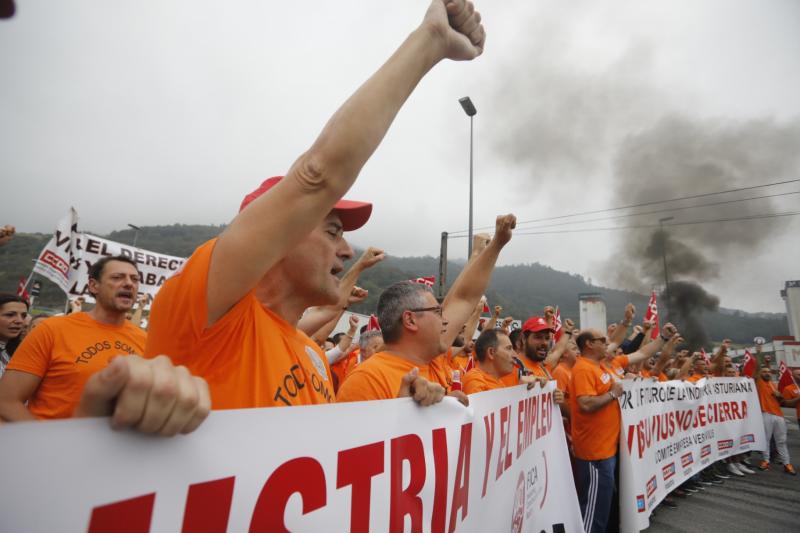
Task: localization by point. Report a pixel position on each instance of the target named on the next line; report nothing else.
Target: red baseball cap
(536, 324)
(353, 214)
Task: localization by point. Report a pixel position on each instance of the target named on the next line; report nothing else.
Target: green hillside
(522, 290)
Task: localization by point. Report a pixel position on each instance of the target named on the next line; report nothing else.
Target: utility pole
(442, 279)
(469, 109)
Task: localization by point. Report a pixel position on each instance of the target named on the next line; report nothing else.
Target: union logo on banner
(641, 506)
(687, 459)
(668, 471)
(725, 444)
(747, 439)
(705, 451)
(651, 486)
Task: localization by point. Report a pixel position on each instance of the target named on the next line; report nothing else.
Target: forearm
(472, 324)
(558, 350)
(468, 289)
(590, 404)
(322, 334)
(346, 340)
(136, 317)
(317, 317)
(646, 352)
(14, 411)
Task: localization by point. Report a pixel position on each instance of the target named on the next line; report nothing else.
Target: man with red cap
(230, 314)
(537, 356)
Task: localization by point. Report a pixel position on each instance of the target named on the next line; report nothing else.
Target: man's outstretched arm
(320, 177)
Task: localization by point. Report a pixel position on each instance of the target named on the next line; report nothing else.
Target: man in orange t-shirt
(791, 395)
(417, 332)
(563, 370)
(494, 356)
(49, 369)
(230, 314)
(774, 424)
(596, 420)
(64, 367)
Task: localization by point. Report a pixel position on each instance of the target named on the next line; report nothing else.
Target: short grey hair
(366, 336)
(398, 298)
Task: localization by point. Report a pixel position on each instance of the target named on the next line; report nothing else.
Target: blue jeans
(595, 492)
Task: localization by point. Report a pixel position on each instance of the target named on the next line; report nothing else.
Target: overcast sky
(161, 112)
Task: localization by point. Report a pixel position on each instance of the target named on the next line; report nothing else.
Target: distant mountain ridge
(523, 290)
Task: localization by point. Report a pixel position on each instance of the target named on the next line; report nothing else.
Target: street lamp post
(136, 230)
(469, 109)
(664, 258)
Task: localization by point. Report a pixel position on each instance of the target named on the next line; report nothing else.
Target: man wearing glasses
(596, 422)
(417, 331)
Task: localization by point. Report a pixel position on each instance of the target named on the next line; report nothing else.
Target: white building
(791, 296)
(592, 311)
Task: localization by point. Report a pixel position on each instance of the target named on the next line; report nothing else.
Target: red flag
(470, 364)
(486, 306)
(652, 316)
(786, 379)
(429, 281)
(705, 356)
(559, 329)
(22, 291)
(749, 365)
(373, 325)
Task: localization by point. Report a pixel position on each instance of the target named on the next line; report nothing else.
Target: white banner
(68, 256)
(673, 430)
(499, 465)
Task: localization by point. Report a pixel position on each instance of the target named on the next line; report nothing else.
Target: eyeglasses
(602, 339)
(436, 309)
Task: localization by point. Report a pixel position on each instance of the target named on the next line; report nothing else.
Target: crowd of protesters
(247, 321)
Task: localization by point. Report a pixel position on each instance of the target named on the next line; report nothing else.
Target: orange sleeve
(789, 392)
(180, 310)
(621, 361)
(34, 353)
(363, 385)
(584, 383)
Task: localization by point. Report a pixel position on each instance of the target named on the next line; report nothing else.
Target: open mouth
(125, 295)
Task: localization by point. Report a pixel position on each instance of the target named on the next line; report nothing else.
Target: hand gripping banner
(500, 465)
(673, 430)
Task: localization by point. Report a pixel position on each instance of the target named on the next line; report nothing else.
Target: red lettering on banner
(303, 475)
(504, 456)
(126, 516)
(744, 409)
(208, 506)
(521, 426)
(489, 444)
(440, 472)
(357, 467)
(461, 486)
(406, 501)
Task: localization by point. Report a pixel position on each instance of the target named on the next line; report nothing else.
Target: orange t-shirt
(790, 393)
(563, 374)
(477, 380)
(64, 351)
(344, 366)
(694, 378)
(769, 403)
(379, 377)
(595, 436)
(250, 357)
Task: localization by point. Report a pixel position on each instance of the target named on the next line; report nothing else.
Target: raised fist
(503, 228)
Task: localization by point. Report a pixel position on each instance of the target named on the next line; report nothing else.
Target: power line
(668, 210)
(643, 204)
(644, 226)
